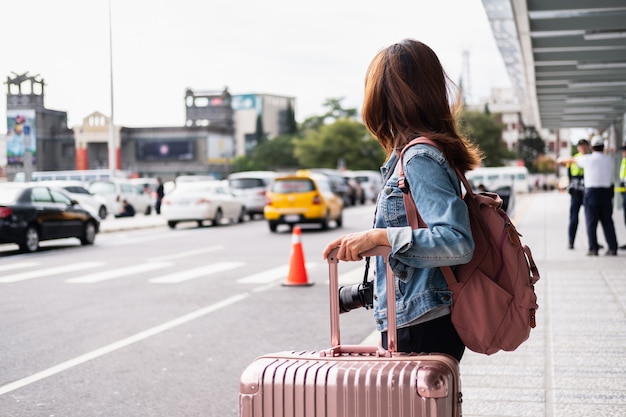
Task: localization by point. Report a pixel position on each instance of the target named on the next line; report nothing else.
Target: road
(160, 322)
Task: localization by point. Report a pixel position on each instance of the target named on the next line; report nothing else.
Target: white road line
(121, 344)
(196, 272)
(18, 265)
(271, 275)
(117, 273)
(50, 271)
(188, 253)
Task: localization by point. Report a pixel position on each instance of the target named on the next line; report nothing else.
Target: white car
(115, 191)
(250, 188)
(78, 192)
(199, 201)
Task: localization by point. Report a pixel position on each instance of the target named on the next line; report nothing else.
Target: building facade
(218, 127)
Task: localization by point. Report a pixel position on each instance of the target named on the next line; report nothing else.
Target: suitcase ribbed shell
(297, 384)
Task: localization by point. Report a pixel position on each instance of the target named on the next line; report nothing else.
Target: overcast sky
(308, 50)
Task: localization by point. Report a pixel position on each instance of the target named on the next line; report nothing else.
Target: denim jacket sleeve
(437, 194)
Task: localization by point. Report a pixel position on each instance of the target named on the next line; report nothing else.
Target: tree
(272, 154)
(484, 129)
(346, 141)
(335, 112)
(530, 147)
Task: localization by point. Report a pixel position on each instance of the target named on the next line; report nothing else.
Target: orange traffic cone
(297, 270)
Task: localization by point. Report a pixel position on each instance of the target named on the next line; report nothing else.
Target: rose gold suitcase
(351, 380)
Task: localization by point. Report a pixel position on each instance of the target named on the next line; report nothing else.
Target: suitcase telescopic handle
(333, 269)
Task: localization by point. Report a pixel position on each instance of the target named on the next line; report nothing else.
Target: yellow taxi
(302, 198)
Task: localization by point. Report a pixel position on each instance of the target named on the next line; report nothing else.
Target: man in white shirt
(598, 200)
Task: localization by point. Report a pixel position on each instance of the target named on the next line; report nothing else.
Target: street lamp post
(112, 150)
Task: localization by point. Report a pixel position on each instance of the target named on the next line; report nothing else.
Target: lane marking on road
(270, 275)
(190, 274)
(117, 273)
(188, 253)
(18, 265)
(64, 366)
(50, 271)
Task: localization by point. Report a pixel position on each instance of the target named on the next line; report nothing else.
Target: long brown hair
(406, 96)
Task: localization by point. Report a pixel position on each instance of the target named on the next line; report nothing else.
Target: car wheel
(171, 224)
(218, 217)
(89, 234)
(102, 212)
(339, 220)
(242, 215)
(324, 222)
(273, 226)
(31, 240)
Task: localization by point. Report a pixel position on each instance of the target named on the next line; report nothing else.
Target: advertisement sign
(21, 135)
(165, 150)
(243, 102)
(221, 149)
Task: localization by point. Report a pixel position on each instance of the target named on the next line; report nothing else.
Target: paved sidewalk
(574, 364)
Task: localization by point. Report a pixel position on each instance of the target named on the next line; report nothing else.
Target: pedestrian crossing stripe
(190, 274)
(56, 270)
(269, 276)
(18, 265)
(117, 273)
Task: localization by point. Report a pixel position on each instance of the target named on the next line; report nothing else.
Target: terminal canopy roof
(566, 59)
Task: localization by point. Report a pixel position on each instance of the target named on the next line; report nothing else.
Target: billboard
(21, 135)
(173, 150)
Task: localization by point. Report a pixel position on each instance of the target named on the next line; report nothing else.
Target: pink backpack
(493, 296)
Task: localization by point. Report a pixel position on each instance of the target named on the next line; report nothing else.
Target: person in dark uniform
(576, 189)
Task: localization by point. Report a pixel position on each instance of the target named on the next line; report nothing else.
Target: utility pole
(112, 148)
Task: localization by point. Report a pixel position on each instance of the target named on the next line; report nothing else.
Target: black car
(30, 213)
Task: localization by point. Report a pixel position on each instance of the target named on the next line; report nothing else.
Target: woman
(406, 96)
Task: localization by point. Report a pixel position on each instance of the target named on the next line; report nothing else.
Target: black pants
(434, 336)
(576, 202)
(599, 209)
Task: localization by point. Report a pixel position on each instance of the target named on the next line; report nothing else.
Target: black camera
(355, 296)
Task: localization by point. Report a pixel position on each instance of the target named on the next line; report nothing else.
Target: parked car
(193, 178)
(371, 182)
(78, 192)
(355, 193)
(31, 213)
(117, 190)
(250, 188)
(149, 186)
(303, 198)
(337, 183)
(198, 201)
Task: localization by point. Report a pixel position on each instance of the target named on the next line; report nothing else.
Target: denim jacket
(421, 290)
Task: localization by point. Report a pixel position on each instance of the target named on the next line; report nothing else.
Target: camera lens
(356, 296)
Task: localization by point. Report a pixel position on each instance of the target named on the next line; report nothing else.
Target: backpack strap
(412, 213)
